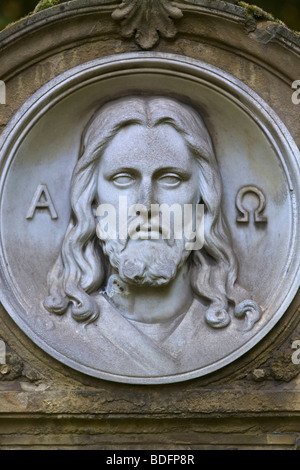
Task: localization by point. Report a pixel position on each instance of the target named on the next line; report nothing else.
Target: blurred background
(286, 10)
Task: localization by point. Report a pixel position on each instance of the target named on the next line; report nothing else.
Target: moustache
(139, 228)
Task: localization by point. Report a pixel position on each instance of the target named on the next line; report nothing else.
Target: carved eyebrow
(170, 122)
(114, 171)
(181, 172)
(184, 174)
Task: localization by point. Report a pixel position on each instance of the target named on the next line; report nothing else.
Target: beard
(146, 262)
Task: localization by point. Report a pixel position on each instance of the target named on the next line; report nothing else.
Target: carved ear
(250, 311)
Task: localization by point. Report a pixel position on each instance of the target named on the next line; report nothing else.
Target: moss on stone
(259, 14)
(254, 11)
(44, 4)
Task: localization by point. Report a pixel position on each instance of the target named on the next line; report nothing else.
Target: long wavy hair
(80, 270)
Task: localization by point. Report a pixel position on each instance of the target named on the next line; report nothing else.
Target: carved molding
(147, 21)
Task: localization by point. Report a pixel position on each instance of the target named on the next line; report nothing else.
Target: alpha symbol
(42, 200)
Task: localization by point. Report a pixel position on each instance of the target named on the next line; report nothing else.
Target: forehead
(147, 149)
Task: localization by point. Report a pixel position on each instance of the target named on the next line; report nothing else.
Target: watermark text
(296, 94)
(2, 352)
(138, 222)
(2, 92)
(296, 354)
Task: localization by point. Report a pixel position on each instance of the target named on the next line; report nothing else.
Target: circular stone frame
(169, 65)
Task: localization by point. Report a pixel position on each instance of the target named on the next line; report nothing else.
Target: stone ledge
(187, 404)
(139, 433)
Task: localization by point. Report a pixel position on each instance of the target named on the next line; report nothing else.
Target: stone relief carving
(151, 149)
(42, 200)
(258, 212)
(147, 21)
(142, 310)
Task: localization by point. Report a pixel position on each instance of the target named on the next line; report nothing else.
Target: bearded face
(159, 170)
(144, 261)
(153, 151)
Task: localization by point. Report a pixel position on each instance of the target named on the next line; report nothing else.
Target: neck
(152, 304)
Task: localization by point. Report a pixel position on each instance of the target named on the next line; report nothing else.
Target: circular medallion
(166, 128)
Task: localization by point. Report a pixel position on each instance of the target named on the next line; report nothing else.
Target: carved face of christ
(148, 166)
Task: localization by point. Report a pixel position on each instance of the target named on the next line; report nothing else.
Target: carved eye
(123, 179)
(170, 180)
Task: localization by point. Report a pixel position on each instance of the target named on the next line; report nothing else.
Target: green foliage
(286, 10)
(258, 13)
(44, 4)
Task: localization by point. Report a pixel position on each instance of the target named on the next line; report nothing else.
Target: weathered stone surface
(253, 403)
(147, 23)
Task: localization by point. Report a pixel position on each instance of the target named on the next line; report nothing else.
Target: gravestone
(149, 336)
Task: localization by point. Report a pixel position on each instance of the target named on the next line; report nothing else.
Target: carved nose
(146, 196)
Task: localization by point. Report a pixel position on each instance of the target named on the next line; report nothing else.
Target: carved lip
(148, 232)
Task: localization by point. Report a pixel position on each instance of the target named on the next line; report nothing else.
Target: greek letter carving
(258, 213)
(42, 200)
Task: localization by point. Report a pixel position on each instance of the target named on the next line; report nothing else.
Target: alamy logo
(296, 94)
(2, 353)
(2, 92)
(139, 222)
(296, 354)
